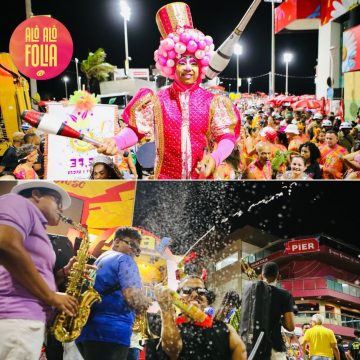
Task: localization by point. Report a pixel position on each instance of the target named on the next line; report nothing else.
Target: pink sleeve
(223, 150)
(125, 139)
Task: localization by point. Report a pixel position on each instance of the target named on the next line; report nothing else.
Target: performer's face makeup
(187, 70)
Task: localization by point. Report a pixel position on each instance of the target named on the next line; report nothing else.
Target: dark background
(185, 211)
(95, 23)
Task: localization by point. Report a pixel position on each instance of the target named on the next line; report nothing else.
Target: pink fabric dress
(183, 124)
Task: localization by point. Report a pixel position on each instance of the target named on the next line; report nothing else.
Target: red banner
(292, 10)
(302, 246)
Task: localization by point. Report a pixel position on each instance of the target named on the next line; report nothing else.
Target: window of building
(227, 261)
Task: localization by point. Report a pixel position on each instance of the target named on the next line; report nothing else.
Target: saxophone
(67, 328)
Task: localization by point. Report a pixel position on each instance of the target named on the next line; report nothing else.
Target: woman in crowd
(27, 156)
(103, 167)
(297, 170)
(310, 152)
(352, 160)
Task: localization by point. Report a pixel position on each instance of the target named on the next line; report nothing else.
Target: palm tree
(95, 67)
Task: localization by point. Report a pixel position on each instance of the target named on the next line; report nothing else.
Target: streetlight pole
(77, 74)
(66, 79)
(237, 51)
(272, 90)
(287, 58)
(249, 83)
(125, 12)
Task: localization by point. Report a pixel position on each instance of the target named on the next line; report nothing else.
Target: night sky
(95, 24)
(185, 211)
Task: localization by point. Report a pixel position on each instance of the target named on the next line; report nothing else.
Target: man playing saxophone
(184, 338)
(109, 327)
(27, 281)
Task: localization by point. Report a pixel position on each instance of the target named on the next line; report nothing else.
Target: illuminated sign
(302, 246)
(41, 47)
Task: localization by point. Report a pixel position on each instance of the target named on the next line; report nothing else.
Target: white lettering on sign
(302, 247)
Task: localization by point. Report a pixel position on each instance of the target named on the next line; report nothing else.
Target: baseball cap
(292, 128)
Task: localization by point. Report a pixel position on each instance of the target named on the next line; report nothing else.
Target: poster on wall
(70, 159)
(351, 50)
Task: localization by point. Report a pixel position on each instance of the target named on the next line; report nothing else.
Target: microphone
(223, 54)
(52, 125)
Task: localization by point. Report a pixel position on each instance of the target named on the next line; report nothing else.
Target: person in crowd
(345, 138)
(229, 310)
(9, 160)
(331, 163)
(304, 328)
(28, 284)
(292, 134)
(321, 340)
(260, 169)
(297, 170)
(354, 347)
(311, 153)
(103, 167)
(34, 139)
(352, 161)
(184, 117)
(316, 124)
(282, 306)
(109, 327)
(27, 157)
(185, 339)
(327, 125)
(319, 138)
(340, 346)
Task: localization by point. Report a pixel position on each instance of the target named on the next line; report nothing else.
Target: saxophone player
(27, 281)
(108, 330)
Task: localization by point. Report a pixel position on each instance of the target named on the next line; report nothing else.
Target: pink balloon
(184, 37)
(162, 60)
(158, 66)
(169, 44)
(202, 44)
(170, 63)
(199, 54)
(180, 48)
(205, 61)
(208, 39)
(171, 54)
(191, 46)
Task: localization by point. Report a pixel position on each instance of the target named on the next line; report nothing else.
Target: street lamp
(249, 83)
(77, 74)
(125, 12)
(65, 80)
(238, 51)
(287, 58)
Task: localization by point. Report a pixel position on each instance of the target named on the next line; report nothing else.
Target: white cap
(326, 123)
(292, 128)
(345, 125)
(24, 185)
(318, 116)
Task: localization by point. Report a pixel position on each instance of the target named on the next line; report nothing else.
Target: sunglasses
(133, 246)
(188, 290)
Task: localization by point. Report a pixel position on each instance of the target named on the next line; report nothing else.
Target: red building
(323, 275)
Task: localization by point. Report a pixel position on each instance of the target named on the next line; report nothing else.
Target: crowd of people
(189, 325)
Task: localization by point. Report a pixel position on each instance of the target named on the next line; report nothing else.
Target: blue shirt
(112, 319)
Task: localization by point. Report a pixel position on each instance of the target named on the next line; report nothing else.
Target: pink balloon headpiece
(179, 38)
